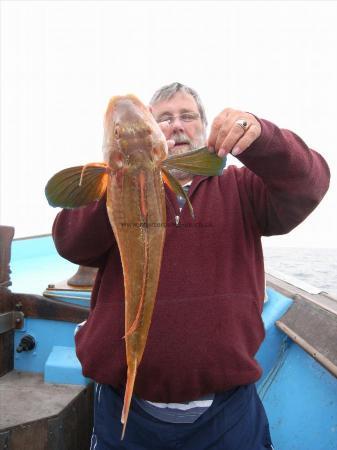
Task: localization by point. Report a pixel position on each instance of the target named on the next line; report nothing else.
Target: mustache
(180, 138)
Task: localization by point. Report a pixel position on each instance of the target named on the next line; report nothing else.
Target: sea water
(317, 267)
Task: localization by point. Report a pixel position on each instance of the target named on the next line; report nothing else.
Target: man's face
(186, 127)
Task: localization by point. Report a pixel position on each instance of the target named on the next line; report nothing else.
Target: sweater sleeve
(285, 181)
(84, 235)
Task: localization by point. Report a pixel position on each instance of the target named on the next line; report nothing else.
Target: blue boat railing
(49, 322)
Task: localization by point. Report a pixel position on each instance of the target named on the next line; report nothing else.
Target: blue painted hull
(299, 395)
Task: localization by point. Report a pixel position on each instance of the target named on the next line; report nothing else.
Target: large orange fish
(135, 165)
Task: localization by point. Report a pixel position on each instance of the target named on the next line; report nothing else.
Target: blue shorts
(235, 422)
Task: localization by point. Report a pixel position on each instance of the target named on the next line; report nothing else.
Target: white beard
(187, 146)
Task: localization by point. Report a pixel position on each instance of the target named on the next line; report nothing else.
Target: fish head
(131, 135)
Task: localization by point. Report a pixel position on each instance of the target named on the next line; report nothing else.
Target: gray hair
(168, 91)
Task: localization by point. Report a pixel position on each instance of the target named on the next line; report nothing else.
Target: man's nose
(177, 124)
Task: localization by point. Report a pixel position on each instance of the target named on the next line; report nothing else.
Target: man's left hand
(233, 131)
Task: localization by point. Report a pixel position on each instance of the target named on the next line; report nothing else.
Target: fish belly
(136, 209)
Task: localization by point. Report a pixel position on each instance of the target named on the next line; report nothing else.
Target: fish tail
(132, 371)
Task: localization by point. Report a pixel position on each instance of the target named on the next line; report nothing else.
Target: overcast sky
(62, 61)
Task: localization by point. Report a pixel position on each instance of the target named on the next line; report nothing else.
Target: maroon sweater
(206, 326)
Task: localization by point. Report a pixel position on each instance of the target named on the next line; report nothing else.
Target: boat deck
(43, 414)
(28, 398)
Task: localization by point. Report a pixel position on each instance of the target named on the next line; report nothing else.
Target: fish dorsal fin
(77, 186)
(196, 162)
(176, 187)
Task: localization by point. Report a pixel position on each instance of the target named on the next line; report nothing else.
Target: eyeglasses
(184, 117)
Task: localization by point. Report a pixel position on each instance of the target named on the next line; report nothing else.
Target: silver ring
(242, 123)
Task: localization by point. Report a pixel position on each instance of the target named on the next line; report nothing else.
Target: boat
(46, 403)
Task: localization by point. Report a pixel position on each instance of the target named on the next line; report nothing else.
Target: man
(195, 385)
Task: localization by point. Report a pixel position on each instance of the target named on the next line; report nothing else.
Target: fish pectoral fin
(77, 186)
(196, 162)
(176, 187)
